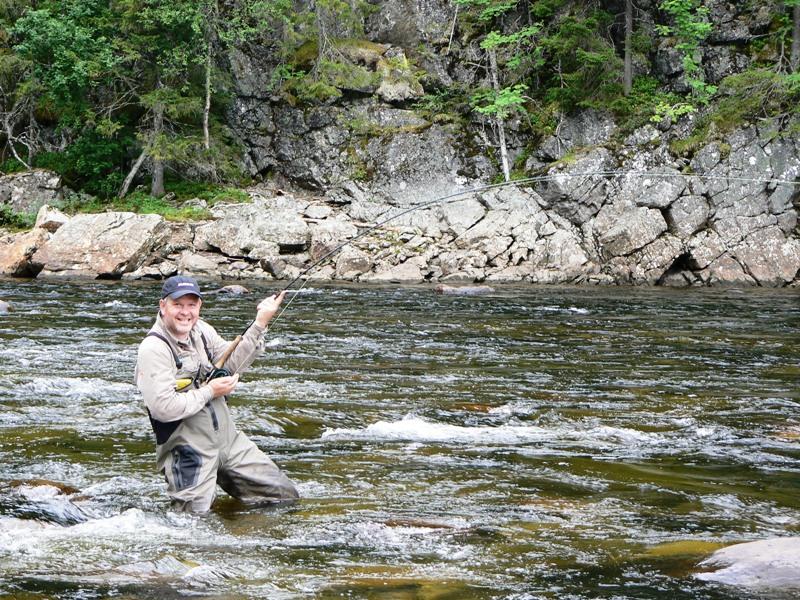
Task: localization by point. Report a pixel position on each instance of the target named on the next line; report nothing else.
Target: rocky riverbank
(633, 215)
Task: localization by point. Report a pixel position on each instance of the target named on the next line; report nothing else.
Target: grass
(172, 207)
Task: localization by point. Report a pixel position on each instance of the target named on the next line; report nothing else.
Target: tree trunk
(499, 122)
(628, 75)
(795, 58)
(157, 182)
(207, 107)
(9, 127)
(211, 28)
(123, 191)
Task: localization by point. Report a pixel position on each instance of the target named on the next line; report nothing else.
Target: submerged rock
(764, 564)
(463, 290)
(41, 500)
(230, 290)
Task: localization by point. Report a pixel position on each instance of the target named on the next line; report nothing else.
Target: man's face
(180, 315)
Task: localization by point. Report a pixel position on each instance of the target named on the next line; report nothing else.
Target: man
(197, 443)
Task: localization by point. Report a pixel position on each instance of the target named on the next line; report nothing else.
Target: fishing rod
(219, 371)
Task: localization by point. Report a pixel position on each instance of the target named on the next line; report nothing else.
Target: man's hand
(222, 386)
(268, 307)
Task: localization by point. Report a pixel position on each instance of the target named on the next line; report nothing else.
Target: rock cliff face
(716, 218)
(598, 207)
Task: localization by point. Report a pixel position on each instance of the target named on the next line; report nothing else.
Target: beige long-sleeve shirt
(156, 371)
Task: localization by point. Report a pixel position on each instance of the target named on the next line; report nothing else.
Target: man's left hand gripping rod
(218, 370)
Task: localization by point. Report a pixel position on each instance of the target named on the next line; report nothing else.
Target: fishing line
(516, 182)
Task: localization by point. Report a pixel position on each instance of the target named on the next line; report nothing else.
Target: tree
(501, 99)
(794, 57)
(165, 49)
(690, 26)
(62, 66)
(627, 78)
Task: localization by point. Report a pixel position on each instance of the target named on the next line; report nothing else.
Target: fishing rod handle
(228, 351)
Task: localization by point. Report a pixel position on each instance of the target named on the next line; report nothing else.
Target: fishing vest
(161, 429)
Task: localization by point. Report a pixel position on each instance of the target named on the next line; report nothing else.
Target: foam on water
(413, 428)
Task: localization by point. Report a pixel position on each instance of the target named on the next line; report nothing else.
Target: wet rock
(463, 290)
(5, 307)
(772, 564)
(41, 500)
(104, 245)
(231, 290)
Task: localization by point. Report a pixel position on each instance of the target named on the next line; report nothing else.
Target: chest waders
(161, 429)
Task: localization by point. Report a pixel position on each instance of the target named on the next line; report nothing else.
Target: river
(538, 442)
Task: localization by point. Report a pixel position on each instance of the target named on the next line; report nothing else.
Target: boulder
(328, 234)
(229, 290)
(657, 189)
(398, 81)
(587, 128)
(410, 271)
(200, 263)
(461, 215)
(16, 253)
(769, 258)
(579, 189)
(771, 564)
(635, 229)
(27, 192)
(463, 290)
(351, 263)
(103, 245)
(687, 215)
(5, 307)
(255, 231)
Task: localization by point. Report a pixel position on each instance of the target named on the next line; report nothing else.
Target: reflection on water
(534, 443)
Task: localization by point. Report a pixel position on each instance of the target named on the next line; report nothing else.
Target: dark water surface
(536, 443)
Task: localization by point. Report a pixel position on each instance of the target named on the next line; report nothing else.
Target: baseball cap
(178, 286)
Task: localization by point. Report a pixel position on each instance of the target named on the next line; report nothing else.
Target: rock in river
(765, 564)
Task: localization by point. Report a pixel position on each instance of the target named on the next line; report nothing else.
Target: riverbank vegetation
(128, 101)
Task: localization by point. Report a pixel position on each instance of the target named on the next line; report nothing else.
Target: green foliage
(501, 103)
(15, 221)
(637, 108)
(91, 163)
(210, 193)
(12, 165)
(690, 27)
(173, 206)
(447, 104)
(69, 46)
(139, 202)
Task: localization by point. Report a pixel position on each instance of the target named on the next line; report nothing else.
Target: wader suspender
(161, 429)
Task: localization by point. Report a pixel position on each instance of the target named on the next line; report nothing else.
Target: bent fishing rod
(476, 190)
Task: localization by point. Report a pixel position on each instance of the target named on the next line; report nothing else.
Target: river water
(539, 442)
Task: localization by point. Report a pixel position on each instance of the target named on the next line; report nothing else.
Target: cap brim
(181, 293)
